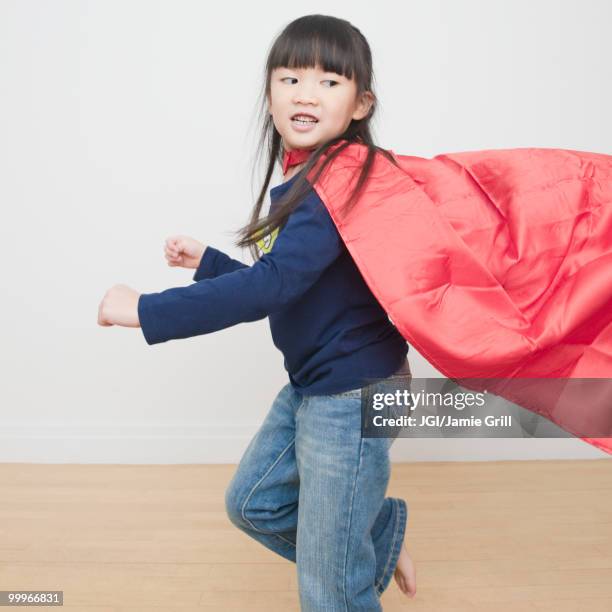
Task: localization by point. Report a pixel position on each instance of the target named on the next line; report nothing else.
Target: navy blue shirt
(333, 333)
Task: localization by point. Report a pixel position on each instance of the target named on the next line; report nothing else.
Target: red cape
(493, 264)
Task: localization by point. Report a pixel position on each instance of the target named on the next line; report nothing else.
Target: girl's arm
(214, 263)
(304, 248)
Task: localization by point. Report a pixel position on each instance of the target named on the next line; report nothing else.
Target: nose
(304, 94)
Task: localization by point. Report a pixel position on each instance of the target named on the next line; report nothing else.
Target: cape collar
(295, 157)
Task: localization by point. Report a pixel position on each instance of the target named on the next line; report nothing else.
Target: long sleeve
(214, 263)
(302, 251)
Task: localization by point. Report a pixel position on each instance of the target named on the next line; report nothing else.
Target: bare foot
(405, 573)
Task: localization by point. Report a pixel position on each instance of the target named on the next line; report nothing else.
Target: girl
(339, 345)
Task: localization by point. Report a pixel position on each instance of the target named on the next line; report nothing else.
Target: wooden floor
(524, 535)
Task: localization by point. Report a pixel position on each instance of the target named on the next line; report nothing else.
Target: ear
(363, 106)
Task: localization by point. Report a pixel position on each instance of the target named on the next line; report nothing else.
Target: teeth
(303, 119)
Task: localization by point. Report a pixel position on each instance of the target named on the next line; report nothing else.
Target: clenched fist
(119, 306)
(183, 251)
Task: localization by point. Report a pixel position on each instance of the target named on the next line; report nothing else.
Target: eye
(331, 81)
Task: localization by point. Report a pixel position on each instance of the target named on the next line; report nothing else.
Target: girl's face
(328, 97)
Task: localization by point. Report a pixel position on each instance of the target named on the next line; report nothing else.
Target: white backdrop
(123, 122)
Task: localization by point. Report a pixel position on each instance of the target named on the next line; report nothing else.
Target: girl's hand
(119, 306)
(183, 251)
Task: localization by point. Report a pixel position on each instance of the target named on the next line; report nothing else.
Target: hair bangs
(311, 45)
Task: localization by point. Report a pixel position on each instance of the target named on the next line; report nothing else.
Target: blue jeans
(310, 488)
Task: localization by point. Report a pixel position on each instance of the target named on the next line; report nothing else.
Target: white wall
(124, 122)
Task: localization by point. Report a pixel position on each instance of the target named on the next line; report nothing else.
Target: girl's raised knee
(233, 506)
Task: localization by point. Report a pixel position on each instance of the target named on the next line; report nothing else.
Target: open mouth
(304, 119)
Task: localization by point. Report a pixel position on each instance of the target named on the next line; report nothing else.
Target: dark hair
(308, 42)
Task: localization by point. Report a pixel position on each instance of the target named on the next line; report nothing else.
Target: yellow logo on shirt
(266, 243)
